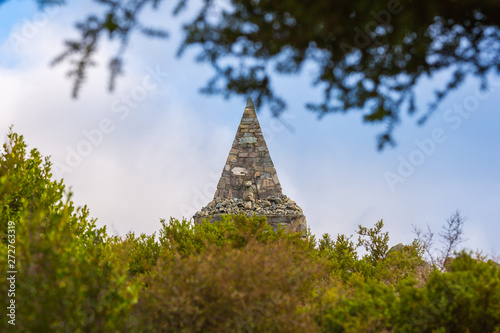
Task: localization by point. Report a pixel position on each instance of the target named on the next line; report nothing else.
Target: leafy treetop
(368, 54)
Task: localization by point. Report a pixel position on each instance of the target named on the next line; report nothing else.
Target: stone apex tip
(250, 103)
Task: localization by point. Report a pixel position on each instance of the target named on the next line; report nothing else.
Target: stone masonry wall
(278, 211)
(249, 169)
(249, 183)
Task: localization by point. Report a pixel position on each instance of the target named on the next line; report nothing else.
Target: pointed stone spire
(249, 172)
(249, 184)
(250, 103)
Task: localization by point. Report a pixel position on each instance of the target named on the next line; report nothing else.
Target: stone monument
(249, 183)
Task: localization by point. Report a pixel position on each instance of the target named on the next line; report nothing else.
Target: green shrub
(365, 306)
(466, 299)
(403, 263)
(142, 252)
(187, 238)
(340, 256)
(258, 288)
(68, 277)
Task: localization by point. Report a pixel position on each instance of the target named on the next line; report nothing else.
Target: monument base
(292, 223)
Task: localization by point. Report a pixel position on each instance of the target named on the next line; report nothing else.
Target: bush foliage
(233, 275)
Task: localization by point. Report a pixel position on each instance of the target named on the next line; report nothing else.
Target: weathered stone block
(248, 140)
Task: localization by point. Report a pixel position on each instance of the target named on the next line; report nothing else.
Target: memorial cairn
(249, 183)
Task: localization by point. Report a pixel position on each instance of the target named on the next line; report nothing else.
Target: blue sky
(161, 155)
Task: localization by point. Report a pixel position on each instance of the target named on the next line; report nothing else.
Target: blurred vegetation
(364, 55)
(234, 275)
